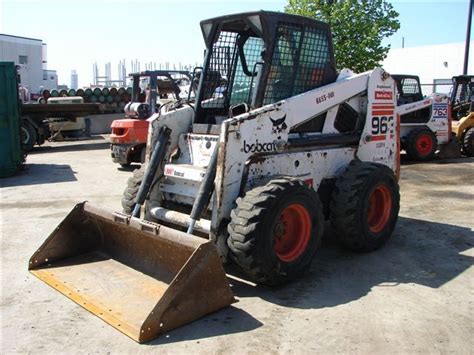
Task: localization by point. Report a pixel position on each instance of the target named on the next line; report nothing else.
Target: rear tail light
(118, 131)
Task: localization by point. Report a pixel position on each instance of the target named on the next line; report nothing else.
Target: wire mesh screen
(314, 55)
(284, 60)
(245, 79)
(216, 81)
(410, 86)
(463, 92)
(298, 63)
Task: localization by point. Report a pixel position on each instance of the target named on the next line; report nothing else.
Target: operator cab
(409, 91)
(462, 96)
(258, 58)
(408, 88)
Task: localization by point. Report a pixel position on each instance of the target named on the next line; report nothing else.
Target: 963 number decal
(380, 124)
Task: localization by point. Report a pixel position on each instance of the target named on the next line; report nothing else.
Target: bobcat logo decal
(279, 124)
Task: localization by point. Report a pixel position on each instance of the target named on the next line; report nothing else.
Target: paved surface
(414, 295)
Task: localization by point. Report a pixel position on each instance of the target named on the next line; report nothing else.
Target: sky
(79, 33)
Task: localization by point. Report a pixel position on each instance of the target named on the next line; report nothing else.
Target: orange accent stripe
(380, 137)
(383, 106)
(386, 112)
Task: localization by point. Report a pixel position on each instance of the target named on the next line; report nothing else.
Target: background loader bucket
(142, 278)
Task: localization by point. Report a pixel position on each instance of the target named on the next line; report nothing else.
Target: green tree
(358, 28)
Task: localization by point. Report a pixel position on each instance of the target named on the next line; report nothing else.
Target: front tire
(421, 144)
(131, 191)
(275, 231)
(364, 206)
(28, 136)
(468, 143)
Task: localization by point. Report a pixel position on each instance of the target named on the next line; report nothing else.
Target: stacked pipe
(114, 99)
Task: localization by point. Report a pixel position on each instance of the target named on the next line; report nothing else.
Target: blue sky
(81, 33)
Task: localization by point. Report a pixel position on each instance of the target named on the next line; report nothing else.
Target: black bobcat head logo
(279, 124)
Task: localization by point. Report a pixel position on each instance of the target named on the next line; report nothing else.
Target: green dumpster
(11, 155)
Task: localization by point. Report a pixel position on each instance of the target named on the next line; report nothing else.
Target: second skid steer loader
(462, 108)
(276, 141)
(425, 124)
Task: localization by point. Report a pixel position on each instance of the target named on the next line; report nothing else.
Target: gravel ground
(413, 295)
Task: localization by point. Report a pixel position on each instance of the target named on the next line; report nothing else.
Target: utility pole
(468, 38)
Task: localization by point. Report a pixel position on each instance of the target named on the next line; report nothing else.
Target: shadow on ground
(227, 321)
(36, 174)
(421, 252)
(405, 160)
(130, 167)
(72, 146)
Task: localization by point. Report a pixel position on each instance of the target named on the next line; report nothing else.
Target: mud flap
(450, 150)
(140, 277)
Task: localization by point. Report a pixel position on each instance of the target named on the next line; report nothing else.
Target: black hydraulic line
(205, 190)
(157, 156)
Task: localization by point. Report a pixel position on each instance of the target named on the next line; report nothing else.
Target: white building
(30, 55)
(74, 80)
(434, 64)
(50, 79)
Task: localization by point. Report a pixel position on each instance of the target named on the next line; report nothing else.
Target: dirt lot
(414, 295)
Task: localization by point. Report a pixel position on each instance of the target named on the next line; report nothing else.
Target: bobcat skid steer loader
(425, 123)
(275, 141)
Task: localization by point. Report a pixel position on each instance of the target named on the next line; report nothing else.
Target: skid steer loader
(275, 141)
(425, 124)
(462, 106)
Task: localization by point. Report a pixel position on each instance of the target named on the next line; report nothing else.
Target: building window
(23, 59)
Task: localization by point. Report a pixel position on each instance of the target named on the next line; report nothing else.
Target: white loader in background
(275, 141)
(425, 123)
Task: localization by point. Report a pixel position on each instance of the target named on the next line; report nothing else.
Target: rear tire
(87, 129)
(364, 206)
(131, 191)
(275, 231)
(468, 143)
(28, 136)
(143, 155)
(421, 144)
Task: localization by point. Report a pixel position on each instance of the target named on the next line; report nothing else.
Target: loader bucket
(140, 277)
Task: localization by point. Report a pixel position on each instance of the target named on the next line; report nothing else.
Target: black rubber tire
(251, 230)
(28, 136)
(411, 144)
(87, 128)
(130, 192)
(350, 202)
(468, 143)
(143, 155)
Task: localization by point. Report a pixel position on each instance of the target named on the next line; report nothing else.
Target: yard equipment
(11, 154)
(425, 124)
(275, 141)
(129, 135)
(35, 123)
(462, 106)
(62, 128)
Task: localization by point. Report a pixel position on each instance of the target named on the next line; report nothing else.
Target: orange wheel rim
(292, 232)
(424, 144)
(380, 207)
